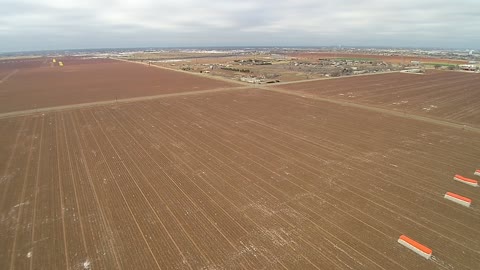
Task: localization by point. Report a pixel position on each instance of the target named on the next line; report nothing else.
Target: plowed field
(235, 180)
(39, 83)
(445, 95)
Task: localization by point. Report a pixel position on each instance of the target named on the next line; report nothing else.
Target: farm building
(469, 67)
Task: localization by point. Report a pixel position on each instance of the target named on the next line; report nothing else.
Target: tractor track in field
(262, 177)
(8, 76)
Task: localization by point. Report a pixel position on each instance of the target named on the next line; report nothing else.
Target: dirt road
(112, 102)
(6, 77)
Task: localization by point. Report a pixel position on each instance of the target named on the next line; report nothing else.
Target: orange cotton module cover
(465, 180)
(415, 246)
(458, 199)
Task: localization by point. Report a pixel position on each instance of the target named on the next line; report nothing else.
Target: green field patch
(439, 64)
(356, 59)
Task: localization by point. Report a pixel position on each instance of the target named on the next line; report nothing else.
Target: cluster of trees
(253, 62)
(449, 67)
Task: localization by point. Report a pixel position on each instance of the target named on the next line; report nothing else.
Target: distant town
(272, 65)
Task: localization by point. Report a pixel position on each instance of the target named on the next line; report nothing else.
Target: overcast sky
(64, 24)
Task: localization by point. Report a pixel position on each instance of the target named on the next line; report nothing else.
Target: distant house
(250, 79)
(468, 67)
(413, 70)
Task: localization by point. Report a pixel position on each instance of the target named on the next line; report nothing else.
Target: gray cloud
(60, 24)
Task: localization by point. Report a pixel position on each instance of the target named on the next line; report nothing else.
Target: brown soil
(233, 180)
(444, 95)
(39, 83)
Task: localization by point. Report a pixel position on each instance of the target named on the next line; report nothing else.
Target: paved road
(334, 78)
(246, 83)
